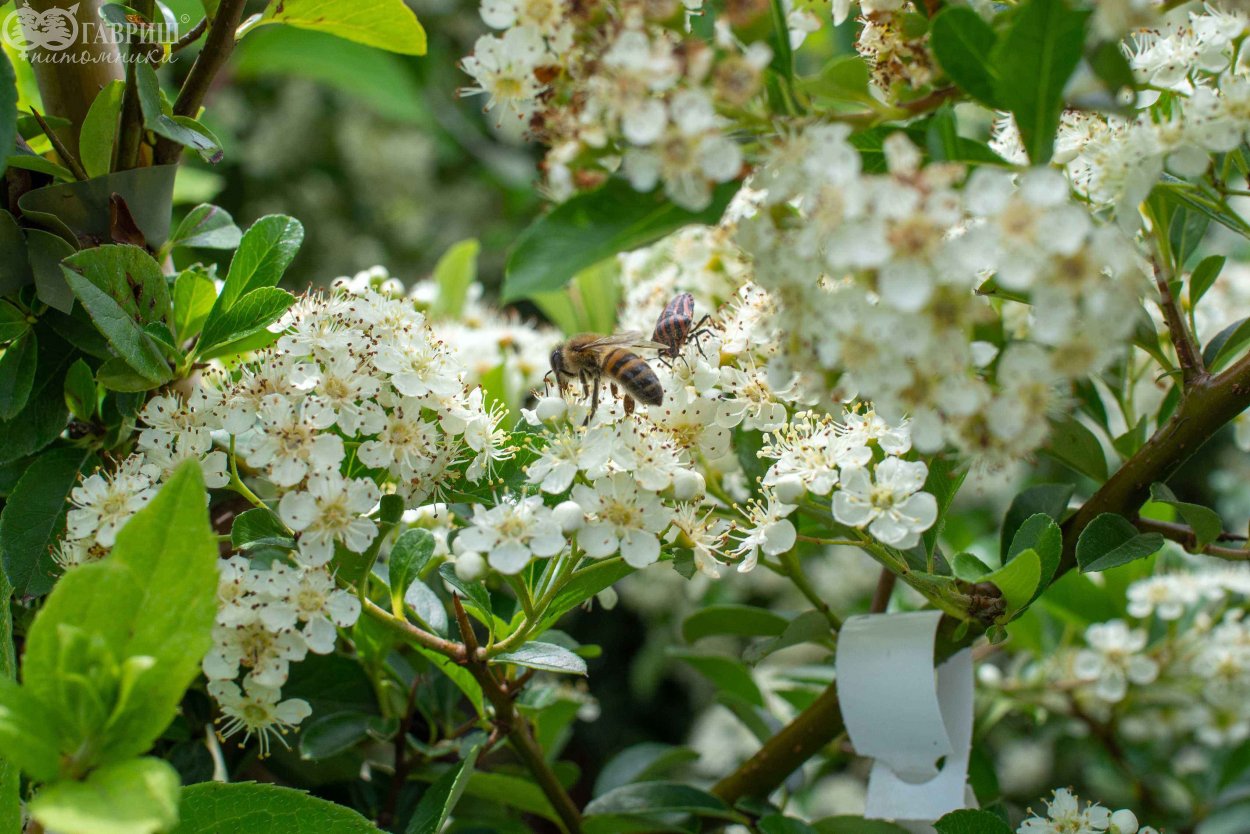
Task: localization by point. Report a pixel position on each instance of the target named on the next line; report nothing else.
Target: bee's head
(557, 363)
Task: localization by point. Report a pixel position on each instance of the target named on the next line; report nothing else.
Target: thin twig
(1187, 352)
(67, 156)
(1185, 536)
(402, 764)
(216, 51)
(192, 35)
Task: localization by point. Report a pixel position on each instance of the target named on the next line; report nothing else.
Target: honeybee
(589, 357)
(676, 326)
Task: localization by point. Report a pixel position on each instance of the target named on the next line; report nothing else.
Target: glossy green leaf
(777, 824)
(115, 375)
(659, 798)
(473, 595)
(1204, 521)
(17, 374)
(1048, 499)
(726, 673)
(855, 825)
(641, 763)
(971, 822)
(43, 419)
(248, 316)
(1043, 536)
(739, 620)
(99, 130)
(206, 227)
(410, 554)
(1032, 62)
(1111, 540)
(194, 295)
(33, 518)
(385, 24)
(454, 273)
(29, 737)
(155, 597)
(590, 227)
(427, 606)
(180, 129)
(139, 796)
(266, 250)
(259, 527)
(1077, 448)
(216, 808)
(124, 335)
(1203, 277)
(129, 275)
(963, 43)
(13, 322)
(440, 800)
(80, 391)
(968, 568)
(808, 627)
(1019, 581)
(33, 162)
(323, 737)
(547, 657)
(1226, 345)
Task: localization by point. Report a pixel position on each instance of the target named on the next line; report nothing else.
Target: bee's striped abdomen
(673, 326)
(634, 374)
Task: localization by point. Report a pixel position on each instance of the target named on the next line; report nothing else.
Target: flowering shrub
(884, 307)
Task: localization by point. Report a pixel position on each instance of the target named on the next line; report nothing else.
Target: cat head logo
(55, 29)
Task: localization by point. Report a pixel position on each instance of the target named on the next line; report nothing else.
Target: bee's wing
(627, 339)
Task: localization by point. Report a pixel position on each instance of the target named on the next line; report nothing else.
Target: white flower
(622, 518)
(767, 530)
(569, 451)
(513, 532)
(504, 68)
(1114, 660)
(750, 400)
(290, 441)
(419, 367)
(888, 502)
(704, 534)
(310, 596)
(253, 646)
(1064, 815)
(332, 509)
(405, 441)
(1165, 596)
(102, 504)
(256, 710)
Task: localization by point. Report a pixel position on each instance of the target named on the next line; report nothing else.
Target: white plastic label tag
(906, 716)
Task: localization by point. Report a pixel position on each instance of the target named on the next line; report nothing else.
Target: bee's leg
(594, 402)
(629, 405)
(585, 383)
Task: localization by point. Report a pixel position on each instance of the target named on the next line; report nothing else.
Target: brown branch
(1187, 352)
(399, 775)
(1185, 536)
(192, 35)
(510, 722)
(216, 51)
(129, 148)
(885, 589)
(65, 154)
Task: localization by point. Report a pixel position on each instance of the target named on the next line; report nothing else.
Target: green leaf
(943, 481)
(1111, 540)
(855, 825)
(13, 321)
(641, 763)
(194, 295)
(33, 518)
(99, 129)
(45, 251)
(585, 584)
(130, 276)
(590, 227)
(726, 673)
(1077, 448)
(440, 800)
(8, 103)
(80, 392)
(808, 627)
(115, 375)
(460, 676)
(43, 419)
(547, 657)
(962, 43)
(1203, 277)
(1049, 499)
(968, 568)
(1109, 63)
(17, 374)
(1042, 535)
(740, 620)
(139, 351)
(206, 227)
(1019, 581)
(181, 129)
(659, 798)
(1032, 62)
(777, 824)
(971, 822)
(246, 807)
(473, 595)
(385, 24)
(33, 162)
(409, 556)
(427, 606)
(1226, 344)
(330, 735)
(251, 314)
(454, 273)
(842, 79)
(139, 796)
(154, 598)
(28, 733)
(264, 253)
(1204, 521)
(259, 527)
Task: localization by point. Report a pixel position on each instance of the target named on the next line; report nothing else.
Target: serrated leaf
(1111, 540)
(266, 250)
(136, 348)
(590, 227)
(129, 275)
(214, 808)
(547, 657)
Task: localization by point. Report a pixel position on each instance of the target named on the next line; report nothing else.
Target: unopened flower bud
(1123, 822)
(607, 598)
(789, 489)
(470, 565)
(688, 485)
(569, 515)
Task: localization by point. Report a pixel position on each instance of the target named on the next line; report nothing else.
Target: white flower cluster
(1198, 104)
(614, 82)
(1066, 815)
(881, 280)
